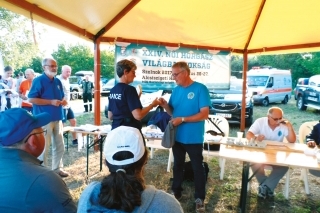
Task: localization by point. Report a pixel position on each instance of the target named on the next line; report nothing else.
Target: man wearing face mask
(46, 95)
(274, 128)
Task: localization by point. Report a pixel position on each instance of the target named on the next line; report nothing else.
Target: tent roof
(259, 26)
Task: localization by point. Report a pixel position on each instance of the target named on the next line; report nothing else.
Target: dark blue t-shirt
(123, 99)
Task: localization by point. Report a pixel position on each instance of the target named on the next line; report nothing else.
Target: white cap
(124, 138)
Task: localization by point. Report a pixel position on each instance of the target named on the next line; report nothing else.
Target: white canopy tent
(241, 27)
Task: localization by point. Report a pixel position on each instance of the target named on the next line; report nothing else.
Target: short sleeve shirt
(45, 88)
(261, 127)
(66, 89)
(24, 89)
(123, 99)
(187, 101)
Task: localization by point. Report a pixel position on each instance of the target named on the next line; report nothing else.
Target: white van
(269, 85)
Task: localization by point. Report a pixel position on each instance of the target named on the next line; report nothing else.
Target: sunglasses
(276, 119)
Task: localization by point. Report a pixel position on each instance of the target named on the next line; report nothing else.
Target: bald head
(276, 110)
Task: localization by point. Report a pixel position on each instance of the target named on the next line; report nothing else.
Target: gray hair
(29, 70)
(65, 66)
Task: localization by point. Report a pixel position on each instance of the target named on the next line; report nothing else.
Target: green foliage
(80, 57)
(299, 66)
(16, 39)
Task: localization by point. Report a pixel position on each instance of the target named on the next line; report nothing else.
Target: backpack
(188, 171)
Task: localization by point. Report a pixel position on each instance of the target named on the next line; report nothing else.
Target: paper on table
(87, 127)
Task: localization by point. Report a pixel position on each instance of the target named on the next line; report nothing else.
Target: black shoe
(75, 142)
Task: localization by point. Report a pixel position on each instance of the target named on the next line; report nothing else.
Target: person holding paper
(274, 128)
(24, 89)
(8, 84)
(125, 108)
(189, 107)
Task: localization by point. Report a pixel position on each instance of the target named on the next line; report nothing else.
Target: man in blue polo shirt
(26, 185)
(46, 95)
(189, 107)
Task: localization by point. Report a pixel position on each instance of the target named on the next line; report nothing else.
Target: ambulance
(269, 85)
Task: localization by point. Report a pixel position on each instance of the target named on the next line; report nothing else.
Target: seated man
(313, 139)
(25, 185)
(274, 128)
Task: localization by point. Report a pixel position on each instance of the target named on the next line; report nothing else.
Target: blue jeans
(195, 154)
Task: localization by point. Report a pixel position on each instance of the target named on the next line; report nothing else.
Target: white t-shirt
(66, 90)
(261, 127)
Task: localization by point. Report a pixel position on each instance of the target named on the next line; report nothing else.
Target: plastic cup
(239, 135)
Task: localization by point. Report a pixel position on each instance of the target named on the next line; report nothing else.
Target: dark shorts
(67, 114)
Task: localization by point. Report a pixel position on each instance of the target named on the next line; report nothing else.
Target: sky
(53, 36)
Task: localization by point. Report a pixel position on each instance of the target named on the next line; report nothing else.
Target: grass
(222, 195)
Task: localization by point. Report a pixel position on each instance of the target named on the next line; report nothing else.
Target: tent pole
(97, 82)
(244, 86)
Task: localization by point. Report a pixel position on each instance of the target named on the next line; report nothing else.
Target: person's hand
(311, 144)
(55, 102)
(155, 102)
(64, 103)
(176, 121)
(260, 138)
(23, 97)
(163, 102)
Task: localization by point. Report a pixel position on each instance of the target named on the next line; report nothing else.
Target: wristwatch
(182, 119)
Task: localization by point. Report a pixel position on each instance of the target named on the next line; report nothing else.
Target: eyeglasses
(51, 66)
(276, 119)
(176, 74)
(36, 133)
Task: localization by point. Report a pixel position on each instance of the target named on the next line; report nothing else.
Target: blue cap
(17, 123)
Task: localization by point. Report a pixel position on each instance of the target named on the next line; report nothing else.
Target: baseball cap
(124, 138)
(17, 123)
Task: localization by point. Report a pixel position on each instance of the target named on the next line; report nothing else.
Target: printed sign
(154, 65)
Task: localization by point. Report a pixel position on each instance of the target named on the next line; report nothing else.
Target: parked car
(302, 82)
(309, 96)
(105, 90)
(228, 103)
(104, 80)
(75, 87)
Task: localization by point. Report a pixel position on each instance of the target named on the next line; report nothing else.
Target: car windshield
(257, 80)
(73, 80)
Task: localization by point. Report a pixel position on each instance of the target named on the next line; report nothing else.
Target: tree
(16, 39)
(80, 57)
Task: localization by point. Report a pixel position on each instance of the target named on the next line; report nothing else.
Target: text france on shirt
(115, 96)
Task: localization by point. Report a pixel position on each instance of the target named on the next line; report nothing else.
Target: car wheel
(265, 102)
(300, 104)
(249, 121)
(285, 100)
(74, 95)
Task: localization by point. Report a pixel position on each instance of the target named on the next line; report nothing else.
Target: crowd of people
(45, 106)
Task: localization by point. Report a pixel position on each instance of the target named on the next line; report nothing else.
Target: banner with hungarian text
(154, 63)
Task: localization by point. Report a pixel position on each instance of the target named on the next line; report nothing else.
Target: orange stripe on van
(276, 90)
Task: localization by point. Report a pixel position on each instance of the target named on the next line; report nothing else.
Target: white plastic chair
(223, 124)
(304, 130)
(156, 144)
